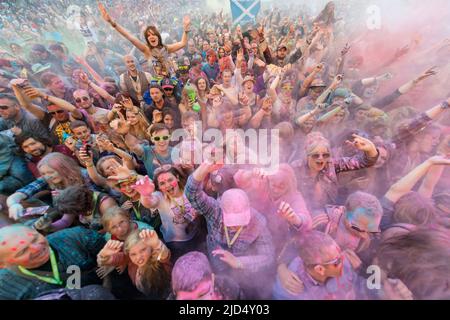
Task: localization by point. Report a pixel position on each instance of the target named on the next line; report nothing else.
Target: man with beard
(133, 81)
(35, 148)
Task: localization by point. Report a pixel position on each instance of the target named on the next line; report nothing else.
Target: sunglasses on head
(56, 112)
(78, 100)
(159, 138)
(162, 169)
(5, 107)
(316, 156)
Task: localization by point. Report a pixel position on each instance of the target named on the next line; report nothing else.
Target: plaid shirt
(254, 245)
(34, 187)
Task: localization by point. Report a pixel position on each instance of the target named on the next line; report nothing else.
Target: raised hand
(127, 103)
(150, 237)
(287, 213)
(240, 55)
(319, 67)
(32, 93)
(401, 52)
(345, 50)
(144, 186)
(186, 24)
(385, 77)
(105, 143)
(121, 173)
(121, 126)
(83, 77)
(428, 73)
(243, 99)
(111, 247)
(104, 13)
(362, 144)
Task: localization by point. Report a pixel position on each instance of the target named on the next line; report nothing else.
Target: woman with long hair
(147, 259)
(154, 50)
(138, 124)
(180, 226)
(318, 173)
(58, 172)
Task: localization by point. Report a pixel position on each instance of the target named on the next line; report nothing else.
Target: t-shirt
(152, 160)
(176, 216)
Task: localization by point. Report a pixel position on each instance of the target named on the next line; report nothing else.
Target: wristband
(113, 24)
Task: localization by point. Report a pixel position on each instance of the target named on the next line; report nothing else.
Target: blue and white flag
(244, 11)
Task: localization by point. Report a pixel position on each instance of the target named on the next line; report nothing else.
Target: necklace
(230, 243)
(52, 280)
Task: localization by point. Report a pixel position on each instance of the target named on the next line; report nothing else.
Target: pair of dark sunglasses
(5, 107)
(363, 231)
(56, 112)
(78, 100)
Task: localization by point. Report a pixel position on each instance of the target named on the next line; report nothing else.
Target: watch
(445, 105)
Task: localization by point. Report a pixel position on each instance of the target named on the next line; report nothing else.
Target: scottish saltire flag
(244, 11)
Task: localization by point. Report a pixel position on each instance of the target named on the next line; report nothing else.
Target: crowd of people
(357, 208)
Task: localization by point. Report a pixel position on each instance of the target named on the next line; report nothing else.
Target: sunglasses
(78, 100)
(183, 68)
(4, 107)
(168, 89)
(316, 156)
(159, 138)
(363, 231)
(56, 112)
(336, 262)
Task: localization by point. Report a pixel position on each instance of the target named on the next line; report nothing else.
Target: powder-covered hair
(420, 259)
(413, 208)
(189, 270)
(66, 167)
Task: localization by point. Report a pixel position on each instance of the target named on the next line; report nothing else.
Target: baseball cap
(235, 208)
(166, 83)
